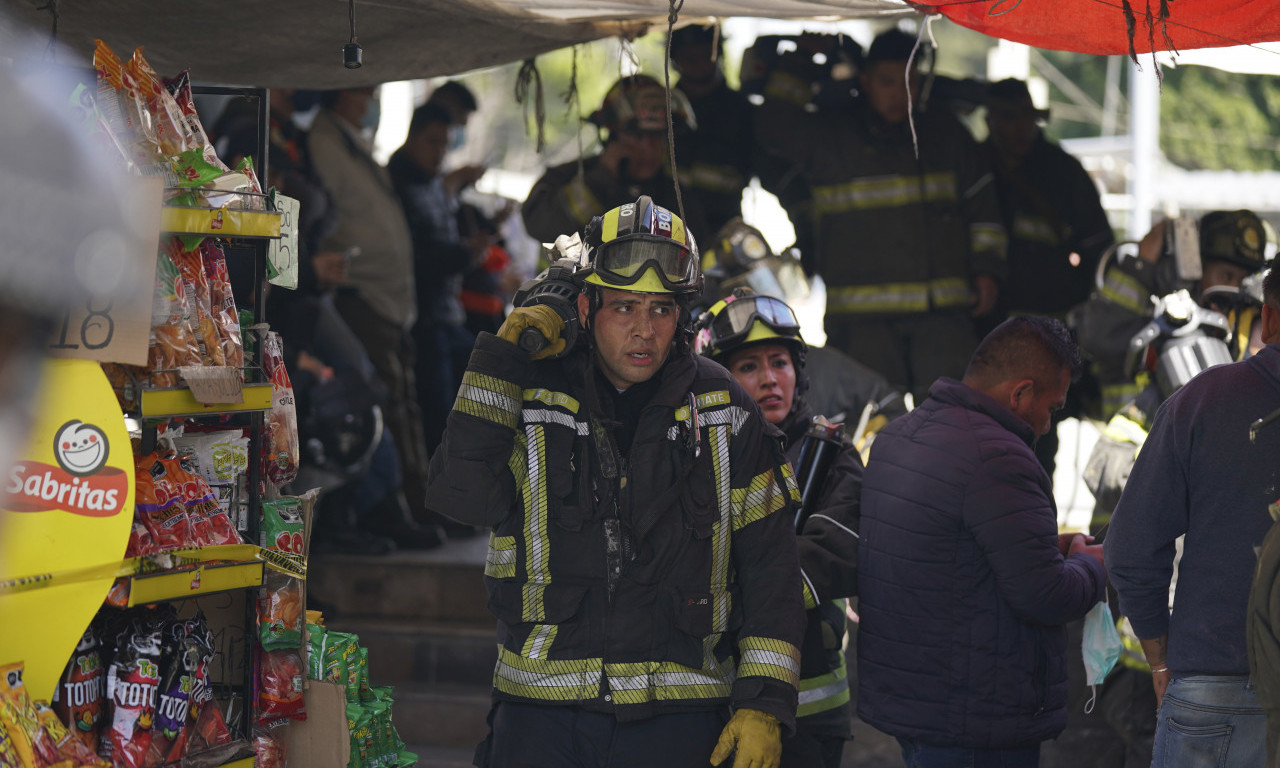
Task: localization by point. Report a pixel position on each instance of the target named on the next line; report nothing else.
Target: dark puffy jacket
(962, 591)
(657, 579)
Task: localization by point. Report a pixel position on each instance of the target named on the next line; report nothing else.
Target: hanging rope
(911, 60)
(51, 49)
(526, 77)
(672, 15)
(572, 99)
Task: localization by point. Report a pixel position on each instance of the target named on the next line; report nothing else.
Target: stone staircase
(422, 616)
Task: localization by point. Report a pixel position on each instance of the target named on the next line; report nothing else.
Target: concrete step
(444, 584)
(451, 716)
(426, 652)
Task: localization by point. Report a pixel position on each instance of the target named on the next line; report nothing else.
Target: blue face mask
(457, 136)
(1101, 648)
(372, 115)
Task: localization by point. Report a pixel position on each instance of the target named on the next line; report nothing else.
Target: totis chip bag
(132, 683)
(80, 697)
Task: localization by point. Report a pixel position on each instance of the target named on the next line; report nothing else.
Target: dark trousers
(911, 351)
(807, 749)
(916, 754)
(546, 736)
(391, 350)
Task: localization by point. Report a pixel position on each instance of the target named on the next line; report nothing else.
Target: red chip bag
(132, 682)
(140, 540)
(280, 687)
(281, 452)
(79, 698)
(159, 506)
(269, 752)
(208, 519)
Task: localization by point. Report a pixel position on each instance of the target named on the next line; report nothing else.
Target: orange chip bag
(159, 505)
(33, 744)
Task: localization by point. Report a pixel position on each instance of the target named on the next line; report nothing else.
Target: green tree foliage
(1210, 119)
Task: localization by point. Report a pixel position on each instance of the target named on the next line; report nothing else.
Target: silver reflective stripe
(490, 398)
(818, 694)
(547, 416)
(773, 658)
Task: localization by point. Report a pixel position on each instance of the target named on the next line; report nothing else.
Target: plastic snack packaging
(132, 682)
(222, 302)
(280, 687)
(80, 696)
(269, 752)
(281, 451)
(162, 512)
(70, 748)
(280, 613)
(33, 744)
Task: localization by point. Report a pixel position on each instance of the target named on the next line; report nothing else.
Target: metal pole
(1144, 137)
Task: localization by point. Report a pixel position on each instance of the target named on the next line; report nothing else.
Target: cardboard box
(322, 740)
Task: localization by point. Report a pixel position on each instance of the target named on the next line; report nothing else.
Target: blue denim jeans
(1210, 722)
(916, 754)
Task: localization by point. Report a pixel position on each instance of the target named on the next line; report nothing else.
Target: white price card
(282, 259)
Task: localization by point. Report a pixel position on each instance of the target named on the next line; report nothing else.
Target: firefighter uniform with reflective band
(1110, 318)
(899, 237)
(716, 160)
(1051, 210)
(658, 579)
(562, 201)
(828, 547)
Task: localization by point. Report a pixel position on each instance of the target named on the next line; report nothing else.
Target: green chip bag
(317, 641)
(365, 694)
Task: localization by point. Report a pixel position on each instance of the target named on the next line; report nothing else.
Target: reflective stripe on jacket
(636, 582)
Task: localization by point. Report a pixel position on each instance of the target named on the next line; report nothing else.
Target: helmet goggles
(733, 323)
(623, 262)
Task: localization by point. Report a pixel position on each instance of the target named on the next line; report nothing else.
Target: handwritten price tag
(282, 259)
(213, 384)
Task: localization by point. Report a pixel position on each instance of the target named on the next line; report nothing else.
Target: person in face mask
(378, 300)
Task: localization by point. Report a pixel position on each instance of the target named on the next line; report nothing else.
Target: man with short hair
(964, 582)
(905, 214)
(642, 564)
(632, 120)
(1202, 477)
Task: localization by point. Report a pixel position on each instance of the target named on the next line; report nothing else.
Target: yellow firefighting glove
(541, 318)
(756, 737)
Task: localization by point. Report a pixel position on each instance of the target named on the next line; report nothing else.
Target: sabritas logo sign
(81, 483)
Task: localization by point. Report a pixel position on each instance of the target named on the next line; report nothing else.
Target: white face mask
(1101, 648)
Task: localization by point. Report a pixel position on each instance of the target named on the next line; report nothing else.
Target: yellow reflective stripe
(1035, 229)
(950, 292)
(810, 600)
(489, 398)
(500, 562)
(721, 536)
(645, 681)
(879, 192)
(824, 692)
(1122, 429)
(1125, 290)
(518, 461)
(705, 400)
(1116, 396)
(545, 679)
(985, 237)
(789, 479)
(761, 498)
(547, 397)
(538, 546)
(787, 87)
(885, 297)
(716, 178)
(581, 204)
(767, 657)
(538, 644)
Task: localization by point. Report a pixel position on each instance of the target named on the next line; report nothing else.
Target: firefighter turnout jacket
(896, 233)
(657, 579)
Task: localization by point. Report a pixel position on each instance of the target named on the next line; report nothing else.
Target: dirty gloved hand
(755, 736)
(541, 317)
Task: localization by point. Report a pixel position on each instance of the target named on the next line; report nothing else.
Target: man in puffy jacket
(964, 582)
(642, 564)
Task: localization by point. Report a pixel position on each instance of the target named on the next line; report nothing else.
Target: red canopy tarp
(1101, 27)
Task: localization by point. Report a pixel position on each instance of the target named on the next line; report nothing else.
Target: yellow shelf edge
(203, 580)
(156, 403)
(219, 222)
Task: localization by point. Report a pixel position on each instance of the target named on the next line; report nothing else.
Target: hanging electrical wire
(673, 15)
(527, 77)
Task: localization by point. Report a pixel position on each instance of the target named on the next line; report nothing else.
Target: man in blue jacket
(1200, 476)
(964, 582)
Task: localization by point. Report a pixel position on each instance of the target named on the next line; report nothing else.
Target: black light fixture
(352, 53)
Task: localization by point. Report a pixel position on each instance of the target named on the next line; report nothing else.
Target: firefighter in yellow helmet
(633, 161)
(758, 339)
(647, 614)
